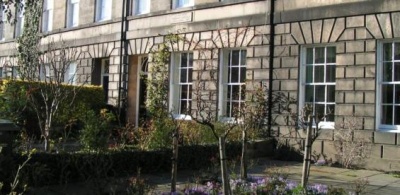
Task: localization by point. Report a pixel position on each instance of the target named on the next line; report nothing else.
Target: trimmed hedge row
(49, 169)
(13, 99)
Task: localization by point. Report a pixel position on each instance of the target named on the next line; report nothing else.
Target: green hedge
(14, 104)
(49, 169)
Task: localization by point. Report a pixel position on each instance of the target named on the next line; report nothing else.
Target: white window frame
(73, 13)
(70, 73)
(103, 10)
(379, 82)
(323, 124)
(141, 7)
(176, 84)
(183, 3)
(47, 17)
(19, 26)
(224, 83)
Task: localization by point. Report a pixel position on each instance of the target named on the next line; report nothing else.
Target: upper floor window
(73, 13)
(3, 19)
(388, 90)
(183, 3)
(232, 82)
(318, 81)
(19, 25)
(181, 84)
(47, 18)
(142, 7)
(1, 72)
(103, 10)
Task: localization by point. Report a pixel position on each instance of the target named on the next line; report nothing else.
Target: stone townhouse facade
(341, 56)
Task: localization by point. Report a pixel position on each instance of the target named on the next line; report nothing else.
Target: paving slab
(380, 183)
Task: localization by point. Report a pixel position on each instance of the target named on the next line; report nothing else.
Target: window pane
(387, 71)
(243, 57)
(190, 59)
(396, 71)
(310, 56)
(190, 76)
(75, 14)
(320, 93)
(183, 107)
(397, 94)
(144, 65)
(183, 59)
(184, 75)
(309, 93)
(235, 58)
(228, 109)
(235, 108)
(190, 92)
(387, 51)
(229, 95)
(235, 92)
(331, 55)
(242, 75)
(182, 3)
(242, 92)
(330, 93)
(387, 113)
(387, 94)
(309, 74)
(318, 74)
(397, 51)
(330, 73)
(319, 55)
(397, 115)
(319, 110)
(184, 92)
(234, 75)
(330, 113)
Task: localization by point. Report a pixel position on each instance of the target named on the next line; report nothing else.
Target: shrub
(63, 168)
(14, 104)
(96, 131)
(351, 150)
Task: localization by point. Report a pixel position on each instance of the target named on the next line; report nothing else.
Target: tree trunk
(46, 143)
(307, 152)
(46, 137)
(174, 161)
(243, 162)
(224, 172)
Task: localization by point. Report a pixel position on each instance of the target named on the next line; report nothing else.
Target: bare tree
(204, 110)
(252, 115)
(51, 83)
(308, 121)
(351, 149)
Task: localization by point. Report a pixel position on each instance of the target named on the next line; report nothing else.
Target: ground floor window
(318, 82)
(232, 81)
(388, 93)
(181, 84)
